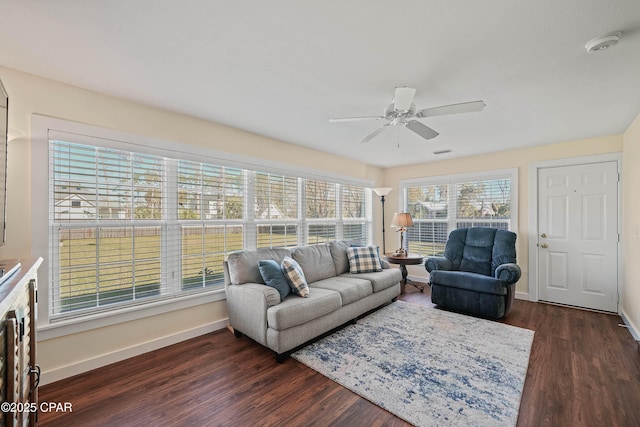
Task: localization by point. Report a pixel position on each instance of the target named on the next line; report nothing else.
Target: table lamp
(401, 220)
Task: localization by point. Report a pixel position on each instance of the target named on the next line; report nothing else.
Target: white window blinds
(209, 191)
(129, 227)
(107, 210)
(356, 208)
(276, 210)
(320, 208)
(440, 205)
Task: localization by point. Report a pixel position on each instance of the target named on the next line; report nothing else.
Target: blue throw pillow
(273, 276)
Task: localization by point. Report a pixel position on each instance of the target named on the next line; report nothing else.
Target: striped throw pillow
(295, 276)
(363, 259)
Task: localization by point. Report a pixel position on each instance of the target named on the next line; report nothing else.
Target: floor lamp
(382, 191)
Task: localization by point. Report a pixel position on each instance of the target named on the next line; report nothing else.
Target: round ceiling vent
(604, 42)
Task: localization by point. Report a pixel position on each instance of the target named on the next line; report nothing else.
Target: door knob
(544, 245)
(543, 235)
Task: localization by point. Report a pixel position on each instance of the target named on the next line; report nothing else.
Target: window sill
(86, 323)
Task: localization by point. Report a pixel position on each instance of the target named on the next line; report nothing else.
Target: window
(320, 203)
(210, 213)
(355, 211)
(276, 209)
(441, 204)
(133, 227)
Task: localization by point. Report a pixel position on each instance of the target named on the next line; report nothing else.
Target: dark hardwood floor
(584, 370)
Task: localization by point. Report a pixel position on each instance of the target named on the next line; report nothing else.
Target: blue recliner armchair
(477, 274)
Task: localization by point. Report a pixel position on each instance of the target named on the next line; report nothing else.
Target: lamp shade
(382, 191)
(401, 220)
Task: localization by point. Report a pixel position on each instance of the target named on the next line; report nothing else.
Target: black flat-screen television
(4, 135)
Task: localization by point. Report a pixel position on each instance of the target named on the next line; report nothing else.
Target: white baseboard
(421, 279)
(522, 295)
(633, 329)
(125, 353)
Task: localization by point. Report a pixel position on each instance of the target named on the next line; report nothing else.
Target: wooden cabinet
(19, 373)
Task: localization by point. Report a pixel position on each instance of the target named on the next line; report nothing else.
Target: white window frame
(41, 125)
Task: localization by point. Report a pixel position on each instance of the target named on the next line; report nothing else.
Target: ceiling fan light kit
(604, 42)
(402, 112)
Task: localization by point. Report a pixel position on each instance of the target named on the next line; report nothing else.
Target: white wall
(70, 354)
(630, 295)
(520, 159)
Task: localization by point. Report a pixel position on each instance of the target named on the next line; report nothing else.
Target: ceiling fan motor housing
(391, 113)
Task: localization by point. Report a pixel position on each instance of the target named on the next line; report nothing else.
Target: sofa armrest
(437, 263)
(247, 305)
(509, 272)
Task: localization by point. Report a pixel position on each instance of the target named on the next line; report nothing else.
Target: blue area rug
(427, 366)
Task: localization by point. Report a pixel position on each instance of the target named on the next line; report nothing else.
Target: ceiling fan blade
(464, 107)
(421, 129)
(354, 119)
(403, 98)
(374, 133)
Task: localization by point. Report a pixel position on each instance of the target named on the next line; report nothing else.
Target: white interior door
(578, 235)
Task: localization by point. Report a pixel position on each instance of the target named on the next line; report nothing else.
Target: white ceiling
(282, 68)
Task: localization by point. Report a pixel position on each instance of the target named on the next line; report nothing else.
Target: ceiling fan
(402, 112)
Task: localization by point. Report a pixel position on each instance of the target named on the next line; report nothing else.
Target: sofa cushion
(295, 276)
(351, 289)
(316, 262)
(243, 265)
(364, 259)
(339, 254)
(273, 276)
(380, 280)
(295, 311)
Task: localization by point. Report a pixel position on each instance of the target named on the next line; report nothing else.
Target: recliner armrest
(510, 272)
(437, 263)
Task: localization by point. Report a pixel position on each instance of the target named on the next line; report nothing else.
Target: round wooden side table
(403, 261)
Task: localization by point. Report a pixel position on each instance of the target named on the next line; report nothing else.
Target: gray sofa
(336, 296)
